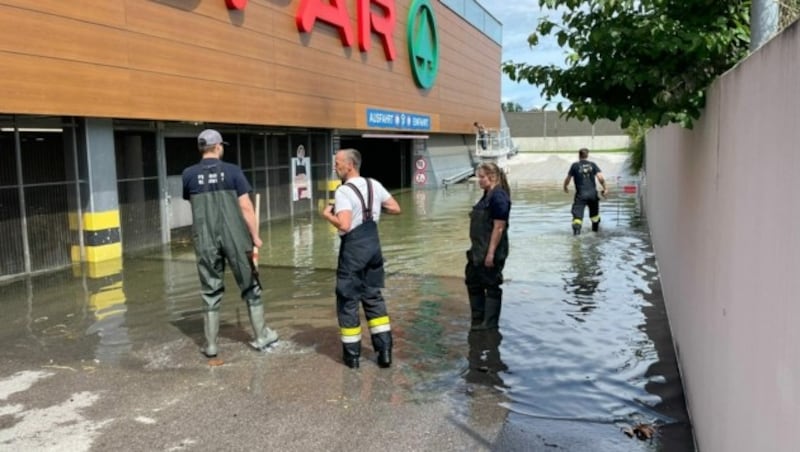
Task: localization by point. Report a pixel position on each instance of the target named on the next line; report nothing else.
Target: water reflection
(583, 276)
(75, 313)
(584, 332)
(485, 363)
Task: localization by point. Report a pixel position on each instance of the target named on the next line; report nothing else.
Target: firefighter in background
(224, 228)
(488, 233)
(584, 172)
(359, 272)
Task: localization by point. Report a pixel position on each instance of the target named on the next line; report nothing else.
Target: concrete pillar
(101, 222)
(102, 242)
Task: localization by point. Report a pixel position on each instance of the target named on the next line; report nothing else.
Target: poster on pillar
(301, 175)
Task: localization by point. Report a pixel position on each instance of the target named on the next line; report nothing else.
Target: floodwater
(583, 351)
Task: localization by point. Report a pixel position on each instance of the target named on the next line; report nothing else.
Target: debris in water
(215, 362)
(641, 431)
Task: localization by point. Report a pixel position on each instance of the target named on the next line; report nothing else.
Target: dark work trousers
(359, 279)
(483, 283)
(579, 205)
(485, 295)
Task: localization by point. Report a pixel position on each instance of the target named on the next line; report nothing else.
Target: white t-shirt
(346, 199)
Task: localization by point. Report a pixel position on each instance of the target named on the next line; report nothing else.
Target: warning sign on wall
(420, 178)
(421, 164)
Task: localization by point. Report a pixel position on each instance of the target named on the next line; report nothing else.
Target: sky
(519, 19)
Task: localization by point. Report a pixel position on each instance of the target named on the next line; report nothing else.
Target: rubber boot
(211, 330)
(382, 343)
(492, 316)
(595, 226)
(576, 229)
(477, 304)
(264, 337)
(351, 353)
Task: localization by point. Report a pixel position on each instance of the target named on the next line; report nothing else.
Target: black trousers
(359, 280)
(580, 203)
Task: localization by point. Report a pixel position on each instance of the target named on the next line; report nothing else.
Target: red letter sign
(331, 13)
(236, 4)
(382, 25)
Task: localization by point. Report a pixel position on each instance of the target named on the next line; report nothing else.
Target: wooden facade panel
(196, 100)
(58, 37)
(323, 42)
(305, 109)
(481, 90)
(347, 65)
(39, 85)
(290, 79)
(158, 55)
(468, 74)
(203, 32)
(461, 43)
(253, 106)
(109, 12)
(195, 60)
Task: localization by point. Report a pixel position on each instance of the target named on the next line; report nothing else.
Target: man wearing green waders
(224, 228)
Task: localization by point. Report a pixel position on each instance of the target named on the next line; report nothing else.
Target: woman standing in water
(488, 233)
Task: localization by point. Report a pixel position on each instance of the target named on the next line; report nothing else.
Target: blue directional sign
(387, 119)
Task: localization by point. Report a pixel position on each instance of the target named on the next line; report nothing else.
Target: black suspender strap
(366, 209)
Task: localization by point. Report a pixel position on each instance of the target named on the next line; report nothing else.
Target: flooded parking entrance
(583, 352)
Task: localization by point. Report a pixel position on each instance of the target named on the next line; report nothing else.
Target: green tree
(644, 60)
(511, 106)
(637, 133)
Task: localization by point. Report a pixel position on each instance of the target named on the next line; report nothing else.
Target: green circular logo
(423, 43)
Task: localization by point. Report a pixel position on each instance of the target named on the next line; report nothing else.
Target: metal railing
(493, 143)
(458, 177)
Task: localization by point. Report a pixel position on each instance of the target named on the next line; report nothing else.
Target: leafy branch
(648, 61)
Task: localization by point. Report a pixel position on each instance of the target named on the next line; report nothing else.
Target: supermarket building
(101, 102)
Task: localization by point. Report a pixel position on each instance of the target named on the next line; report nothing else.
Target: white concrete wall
(545, 144)
(723, 203)
(551, 168)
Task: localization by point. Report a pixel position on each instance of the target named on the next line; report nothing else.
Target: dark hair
(583, 153)
(491, 168)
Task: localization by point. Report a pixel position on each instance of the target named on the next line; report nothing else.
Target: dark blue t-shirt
(583, 172)
(214, 175)
(499, 204)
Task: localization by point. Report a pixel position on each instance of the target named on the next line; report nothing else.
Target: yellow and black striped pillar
(98, 229)
(101, 240)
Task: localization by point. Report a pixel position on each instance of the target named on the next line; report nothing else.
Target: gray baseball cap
(209, 137)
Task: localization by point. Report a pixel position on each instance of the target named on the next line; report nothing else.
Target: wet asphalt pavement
(583, 352)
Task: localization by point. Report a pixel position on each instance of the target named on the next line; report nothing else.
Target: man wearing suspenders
(359, 273)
